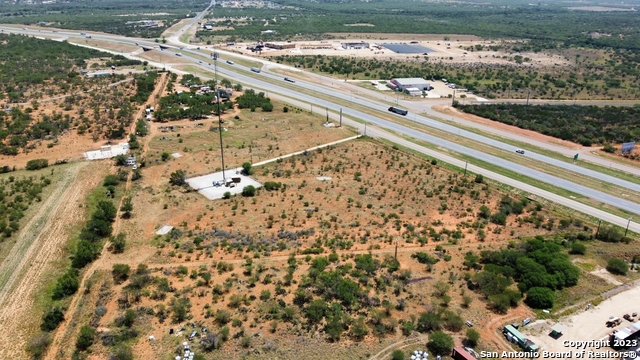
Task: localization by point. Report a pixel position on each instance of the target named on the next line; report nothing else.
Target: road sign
(628, 147)
(575, 157)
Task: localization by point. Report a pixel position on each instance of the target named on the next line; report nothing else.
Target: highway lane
(572, 204)
(286, 90)
(425, 107)
(468, 134)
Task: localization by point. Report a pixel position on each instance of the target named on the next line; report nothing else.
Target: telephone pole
(215, 56)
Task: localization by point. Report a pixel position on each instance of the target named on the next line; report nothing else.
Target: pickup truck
(255, 70)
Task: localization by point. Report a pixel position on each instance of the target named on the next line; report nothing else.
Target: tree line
(586, 125)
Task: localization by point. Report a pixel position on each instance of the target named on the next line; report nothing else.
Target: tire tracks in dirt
(41, 241)
(63, 334)
(386, 352)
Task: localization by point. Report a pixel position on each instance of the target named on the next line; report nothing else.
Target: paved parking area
(204, 184)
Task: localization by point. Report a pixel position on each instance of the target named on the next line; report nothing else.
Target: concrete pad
(114, 150)
(204, 184)
(164, 230)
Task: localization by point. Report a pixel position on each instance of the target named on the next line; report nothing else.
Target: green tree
(617, 266)
(120, 273)
(440, 343)
(129, 317)
(118, 243)
(359, 329)
(540, 298)
(428, 322)
(578, 248)
(127, 208)
(246, 168)
(249, 191)
(85, 339)
(472, 338)
(66, 285)
(52, 319)
(316, 310)
(177, 178)
(397, 355)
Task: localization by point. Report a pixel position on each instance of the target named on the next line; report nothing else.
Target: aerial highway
(276, 85)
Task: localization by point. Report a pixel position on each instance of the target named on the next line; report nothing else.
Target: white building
(403, 84)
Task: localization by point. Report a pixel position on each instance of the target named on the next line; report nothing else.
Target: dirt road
(63, 334)
(42, 240)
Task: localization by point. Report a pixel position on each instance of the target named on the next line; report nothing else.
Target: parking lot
(585, 325)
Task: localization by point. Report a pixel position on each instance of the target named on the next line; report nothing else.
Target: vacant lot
(370, 196)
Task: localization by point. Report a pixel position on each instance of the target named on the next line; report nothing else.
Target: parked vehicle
(398, 111)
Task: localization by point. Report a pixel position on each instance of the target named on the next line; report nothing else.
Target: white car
(520, 151)
(135, 167)
(230, 62)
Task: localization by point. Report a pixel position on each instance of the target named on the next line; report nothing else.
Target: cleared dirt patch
(30, 264)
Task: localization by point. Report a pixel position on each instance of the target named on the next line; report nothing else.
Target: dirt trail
(489, 331)
(43, 240)
(386, 352)
(62, 335)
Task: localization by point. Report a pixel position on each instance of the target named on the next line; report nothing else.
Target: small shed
(556, 330)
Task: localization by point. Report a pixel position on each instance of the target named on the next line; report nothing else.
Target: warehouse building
(355, 45)
(279, 45)
(404, 84)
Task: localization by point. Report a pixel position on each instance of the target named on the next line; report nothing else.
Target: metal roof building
(404, 83)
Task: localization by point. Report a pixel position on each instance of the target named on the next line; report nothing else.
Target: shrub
(111, 180)
(246, 168)
(540, 298)
(617, 266)
(428, 322)
(609, 148)
(177, 178)
(52, 319)
(440, 343)
(578, 248)
(38, 344)
(36, 164)
(66, 285)
(226, 195)
(473, 336)
(272, 185)
(397, 355)
(249, 191)
(85, 339)
(122, 352)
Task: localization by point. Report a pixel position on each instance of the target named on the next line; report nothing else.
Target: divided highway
(288, 90)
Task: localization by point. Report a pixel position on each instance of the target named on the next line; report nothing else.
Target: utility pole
(340, 117)
(528, 93)
(215, 56)
(465, 167)
(628, 222)
(453, 98)
(327, 110)
(598, 229)
(396, 254)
